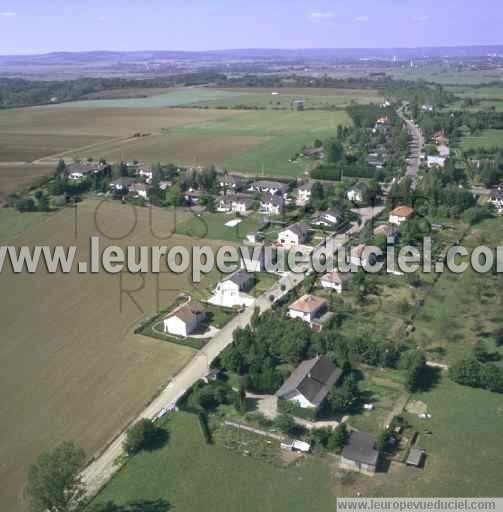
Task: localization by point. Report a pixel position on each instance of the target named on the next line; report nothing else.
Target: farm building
(185, 319)
(78, 172)
(310, 382)
(293, 235)
(336, 280)
(307, 308)
(415, 457)
(360, 453)
(400, 214)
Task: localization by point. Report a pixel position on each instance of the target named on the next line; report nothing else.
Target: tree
(480, 352)
(142, 435)
(240, 402)
(25, 204)
(415, 364)
(343, 398)
(159, 505)
(383, 441)
(339, 438)
(334, 151)
(54, 483)
(285, 424)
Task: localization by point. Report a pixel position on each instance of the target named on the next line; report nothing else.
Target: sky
(40, 26)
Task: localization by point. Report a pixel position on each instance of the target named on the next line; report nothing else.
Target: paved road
(103, 466)
(415, 148)
(101, 469)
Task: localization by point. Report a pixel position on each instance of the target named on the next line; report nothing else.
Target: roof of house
(307, 186)
(138, 186)
(123, 181)
(384, 229)
(274, 199)
(239, 198)
(358, 250)
(188, 311)
(337, 277)
(240, 277)
(415, 456)
(332, 212)
(313, 379)
(263, 184)
(299, 229)
(361, 448)
(308, 304)
(402, 211)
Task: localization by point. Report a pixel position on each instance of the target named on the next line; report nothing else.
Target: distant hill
(95, 57)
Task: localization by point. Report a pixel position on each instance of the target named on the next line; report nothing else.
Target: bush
(25, 204)
(143, 435)
(288, 407)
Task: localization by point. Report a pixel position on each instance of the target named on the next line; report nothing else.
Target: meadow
(249, 142)
(486, 139)
(463, 308)
(314, 98)
(76, 370)
(192, 475)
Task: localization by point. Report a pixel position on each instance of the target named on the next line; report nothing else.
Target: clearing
(78, 346)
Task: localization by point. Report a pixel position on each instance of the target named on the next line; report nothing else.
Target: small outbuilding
(415, 457)
(360, 453)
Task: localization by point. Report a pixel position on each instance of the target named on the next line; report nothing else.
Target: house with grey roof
(231, 291)
(360, 453)
(310, 382)
(293, 235)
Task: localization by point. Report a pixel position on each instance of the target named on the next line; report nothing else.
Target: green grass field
(491, 92)
(486, 139)
(212, 226)
(192, 476)
(174, 98)
(288, 131)
(463, 308)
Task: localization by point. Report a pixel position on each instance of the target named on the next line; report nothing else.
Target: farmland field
(13, 177)
(245, 141)
(317, 98)
(75, 369)
(26, 148)
(171, 98)
(486, 139)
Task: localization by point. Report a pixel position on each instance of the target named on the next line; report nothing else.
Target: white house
(307, 308)
(400, 214)
(271, 187)
(145, 171)
(355, 193)
(328, 218)
(140, 189)
(443, 150)
(239, 203)
(253, 258)
(77, 172)
(231, 290)
(496, 200)
(122, 184)
(310, 382)
(304, 194)
(336, 280)
(293, 235)
(435, 161)
(271, 204)
(185, 319)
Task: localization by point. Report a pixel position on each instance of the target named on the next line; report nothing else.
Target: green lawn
(194, 476)
(263, 281)
(288, 132)
(212, 226)
(464, 451)
(174, 98)
(486, 139)
(463, 308)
